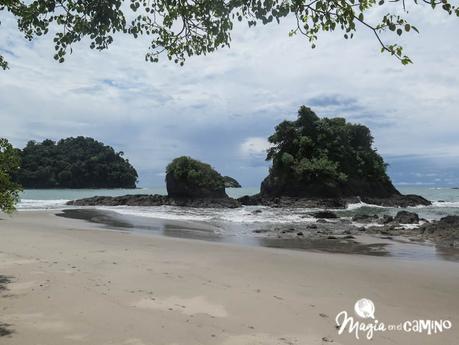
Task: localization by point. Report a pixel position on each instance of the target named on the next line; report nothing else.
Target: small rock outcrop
(324, 215)
(365, 218)
(397, 200)
(406, 217)
(231, 182)
(190, 178)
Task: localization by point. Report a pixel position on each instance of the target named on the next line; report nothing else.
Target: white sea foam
(29, 204)
(445, 203)
(246, 214)
(357, 205)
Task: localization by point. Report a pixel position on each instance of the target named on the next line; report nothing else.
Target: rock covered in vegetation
(324, 158)
(74, 163)
(190, 178)
(231, 182)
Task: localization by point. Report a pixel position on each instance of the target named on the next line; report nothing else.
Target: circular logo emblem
(365, 308)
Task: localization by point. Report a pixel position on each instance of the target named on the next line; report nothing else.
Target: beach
(68, 281)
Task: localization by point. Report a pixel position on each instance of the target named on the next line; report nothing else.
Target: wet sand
(361, 244)
(64, 281)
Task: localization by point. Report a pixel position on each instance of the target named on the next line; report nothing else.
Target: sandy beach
(67, 281)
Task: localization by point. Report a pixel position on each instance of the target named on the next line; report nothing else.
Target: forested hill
(74, 163)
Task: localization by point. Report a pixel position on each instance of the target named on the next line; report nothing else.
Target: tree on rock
(325, 157)
(190, 178)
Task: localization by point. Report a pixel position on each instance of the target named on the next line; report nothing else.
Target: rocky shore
(405, 225)
(156, 200)
(253, 200)
(396, 200)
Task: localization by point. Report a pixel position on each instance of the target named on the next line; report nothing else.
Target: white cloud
(254, 147)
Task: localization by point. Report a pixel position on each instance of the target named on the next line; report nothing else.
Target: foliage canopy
(184, 28)
(9, 164)
(74, 163)
(194, 173)
(313, 152)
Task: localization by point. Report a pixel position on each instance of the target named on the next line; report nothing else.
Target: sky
(221, 108)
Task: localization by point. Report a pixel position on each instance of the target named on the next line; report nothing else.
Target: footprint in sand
(188, 306)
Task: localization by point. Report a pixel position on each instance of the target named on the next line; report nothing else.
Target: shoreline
(358, 244)
(71, 283)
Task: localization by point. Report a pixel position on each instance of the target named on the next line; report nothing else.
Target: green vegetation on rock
(187, 177)
(325, 157)
(9, 164)
(74, 163)
(231, 182)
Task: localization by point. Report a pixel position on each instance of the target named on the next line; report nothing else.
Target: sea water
(445, 201)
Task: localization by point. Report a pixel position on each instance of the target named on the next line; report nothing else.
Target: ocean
(445, 202)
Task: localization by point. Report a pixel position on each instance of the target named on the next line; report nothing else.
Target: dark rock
(325, 215)
(365, 218)
(312, 226)
(398, 200)
(348, 237)
(386, 219)
(231, 182)
(256, 211)
(331, 237)
(444, 232)
(449, 220)
(335, 203)
(292, 202)
(300, 234)
(260, 231)
(405, 217)
(155, 200)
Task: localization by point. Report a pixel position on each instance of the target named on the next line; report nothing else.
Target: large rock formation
(328, 158)
(189, 178)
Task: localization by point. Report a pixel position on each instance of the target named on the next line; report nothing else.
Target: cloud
(221, 108)
(254, 147)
